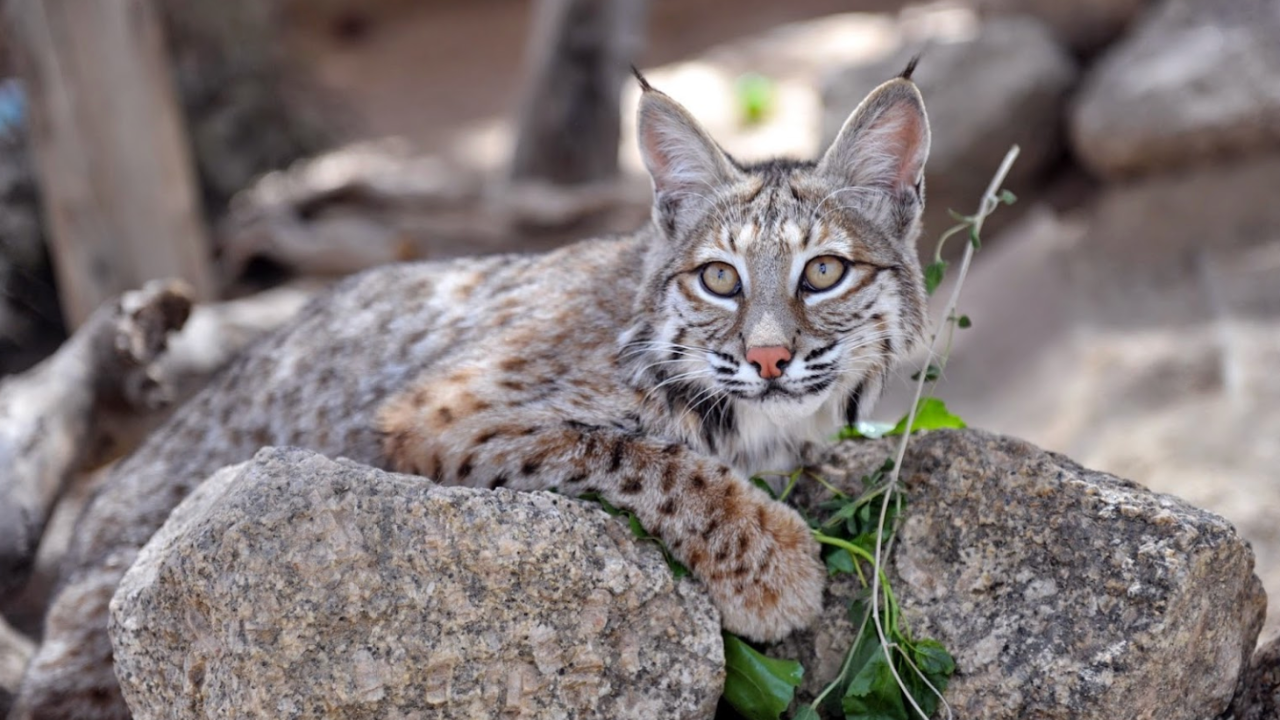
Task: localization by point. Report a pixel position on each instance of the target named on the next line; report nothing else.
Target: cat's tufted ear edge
(679, 154)
(885, 142)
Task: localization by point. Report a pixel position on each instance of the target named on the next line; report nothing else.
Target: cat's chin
(785, 410)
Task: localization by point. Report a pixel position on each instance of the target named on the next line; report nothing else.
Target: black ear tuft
(644, 84)
(905, 75)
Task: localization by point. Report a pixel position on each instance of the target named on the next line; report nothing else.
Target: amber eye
(822, 273)
(721, 279)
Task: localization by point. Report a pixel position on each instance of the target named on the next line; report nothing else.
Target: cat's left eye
(721, 279)
(822, 273)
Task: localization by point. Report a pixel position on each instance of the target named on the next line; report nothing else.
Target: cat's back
(318, 382)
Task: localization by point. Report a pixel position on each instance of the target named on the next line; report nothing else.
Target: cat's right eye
(721, 279)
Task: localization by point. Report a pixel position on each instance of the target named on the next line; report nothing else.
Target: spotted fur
(605, 366)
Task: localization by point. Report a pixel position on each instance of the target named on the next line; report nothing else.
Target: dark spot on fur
(616, 454)
(668, 507)
(486, 436)
(530, 467)
(697, 481)
(669, 476)
(514, 364)
(712, 525)
(499, 481)
(632, 485)
(464, 470)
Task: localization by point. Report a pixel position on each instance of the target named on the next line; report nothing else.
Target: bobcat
(761, 309)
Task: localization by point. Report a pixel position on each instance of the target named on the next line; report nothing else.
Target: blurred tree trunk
(112, 157)
(248, 110)
(579, 55)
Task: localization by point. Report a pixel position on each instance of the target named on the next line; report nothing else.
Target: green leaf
(1007, 197)
(933, 275)
(936, 665)
(838, 561)
(964, 322)
(756, 685)
(958, 217)
(931, 414)
(846, 511)
(604, 504)
(931, 373)
(755, 97)
(764, 485)
(973, 237)
(873, 692)
(932, 658)
(806, 713)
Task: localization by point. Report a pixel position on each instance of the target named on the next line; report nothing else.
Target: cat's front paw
(764, 574)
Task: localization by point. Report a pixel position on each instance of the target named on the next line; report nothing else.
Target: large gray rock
(1005, 84)
(1062, 592)
(296, 586)
(1153, 246)
(1196, 80)
(1085, 25)
(1140, 337)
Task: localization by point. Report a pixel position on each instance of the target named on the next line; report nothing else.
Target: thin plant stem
(988, 204)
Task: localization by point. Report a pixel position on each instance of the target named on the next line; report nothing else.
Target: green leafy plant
(755, 94)
(757, 686)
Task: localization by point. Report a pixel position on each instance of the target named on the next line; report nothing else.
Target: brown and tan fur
(603, 367)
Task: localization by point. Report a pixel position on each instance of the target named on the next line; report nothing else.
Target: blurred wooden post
(115, 171)
(579, 55)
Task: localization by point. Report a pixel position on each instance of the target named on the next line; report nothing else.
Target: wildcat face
(784, 290)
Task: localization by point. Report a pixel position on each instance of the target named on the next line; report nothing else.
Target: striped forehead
(754, 236)
(782, 236)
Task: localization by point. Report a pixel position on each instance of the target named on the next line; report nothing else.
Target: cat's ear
(681, 157)
(884, 143)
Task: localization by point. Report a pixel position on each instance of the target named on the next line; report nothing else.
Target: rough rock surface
(1140, 337)
(1259, 699)
(1062, 592)
(296, 586)
(1194, 81)
(1085, 25)
(1005, 84)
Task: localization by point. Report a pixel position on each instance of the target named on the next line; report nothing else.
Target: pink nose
(770, 361)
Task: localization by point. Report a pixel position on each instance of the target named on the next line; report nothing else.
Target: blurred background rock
(1126, 311)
